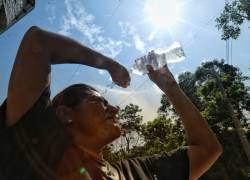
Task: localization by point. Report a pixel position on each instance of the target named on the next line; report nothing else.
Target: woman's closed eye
(98, 100)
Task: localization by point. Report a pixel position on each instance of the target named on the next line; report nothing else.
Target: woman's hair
(72, 95)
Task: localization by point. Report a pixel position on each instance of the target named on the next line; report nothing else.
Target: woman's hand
(163, 78)
(119, 74)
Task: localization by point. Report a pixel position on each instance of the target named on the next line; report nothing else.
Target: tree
(219, 92)
(188, 83)
(160, 135)
(165, 109)
(110, 155)
(130, 123)
(224, 98)
(232, 17)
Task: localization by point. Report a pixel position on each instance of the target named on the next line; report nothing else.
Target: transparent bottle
(172, 54)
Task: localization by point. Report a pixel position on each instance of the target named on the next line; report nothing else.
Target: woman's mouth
(112, 119)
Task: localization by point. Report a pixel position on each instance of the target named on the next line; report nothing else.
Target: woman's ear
(63, 113)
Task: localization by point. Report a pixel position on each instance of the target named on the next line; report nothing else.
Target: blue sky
(120, 29)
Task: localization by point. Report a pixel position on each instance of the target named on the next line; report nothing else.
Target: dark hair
(72, 95)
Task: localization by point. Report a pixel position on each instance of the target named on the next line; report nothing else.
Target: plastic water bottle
(172, 54)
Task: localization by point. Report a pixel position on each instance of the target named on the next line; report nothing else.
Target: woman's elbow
(33, 38)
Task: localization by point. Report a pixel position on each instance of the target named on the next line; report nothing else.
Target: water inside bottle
(173, 54)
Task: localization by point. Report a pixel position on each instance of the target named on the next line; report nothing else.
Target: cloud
(139, 44)
(152, 35)
(51, 10)
(77, 19)
(129, 30)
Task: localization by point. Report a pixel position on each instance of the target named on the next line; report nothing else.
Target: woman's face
(95, 117)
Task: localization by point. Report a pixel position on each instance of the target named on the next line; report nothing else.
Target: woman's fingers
(119, 75)
(123, 82)
(150, 68)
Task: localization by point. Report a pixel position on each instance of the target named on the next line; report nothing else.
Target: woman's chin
(116, 131)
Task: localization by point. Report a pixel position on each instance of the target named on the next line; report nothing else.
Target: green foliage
(162, 134)
(214, 81)
(165, 109)
(111, 155)
(188, 82)
(131, 120)
(232, 17)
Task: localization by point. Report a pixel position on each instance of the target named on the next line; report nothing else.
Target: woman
(64, 138)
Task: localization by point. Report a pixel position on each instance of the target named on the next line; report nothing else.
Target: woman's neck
(94, 163)
(92, 152)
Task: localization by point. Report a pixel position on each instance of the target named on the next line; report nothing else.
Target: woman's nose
(117, 108)
(114, 109)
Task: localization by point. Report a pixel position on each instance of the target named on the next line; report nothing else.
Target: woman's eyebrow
(98, 98)
(102, 99)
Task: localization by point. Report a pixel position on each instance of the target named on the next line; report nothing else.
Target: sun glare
(162, 14)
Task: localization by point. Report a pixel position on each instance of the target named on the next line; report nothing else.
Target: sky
(125, 30)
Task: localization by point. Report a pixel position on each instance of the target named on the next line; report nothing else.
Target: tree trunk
(128, 144)
(240, 131)
(237, 124)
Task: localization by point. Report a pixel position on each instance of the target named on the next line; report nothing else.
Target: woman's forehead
(94, 94)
